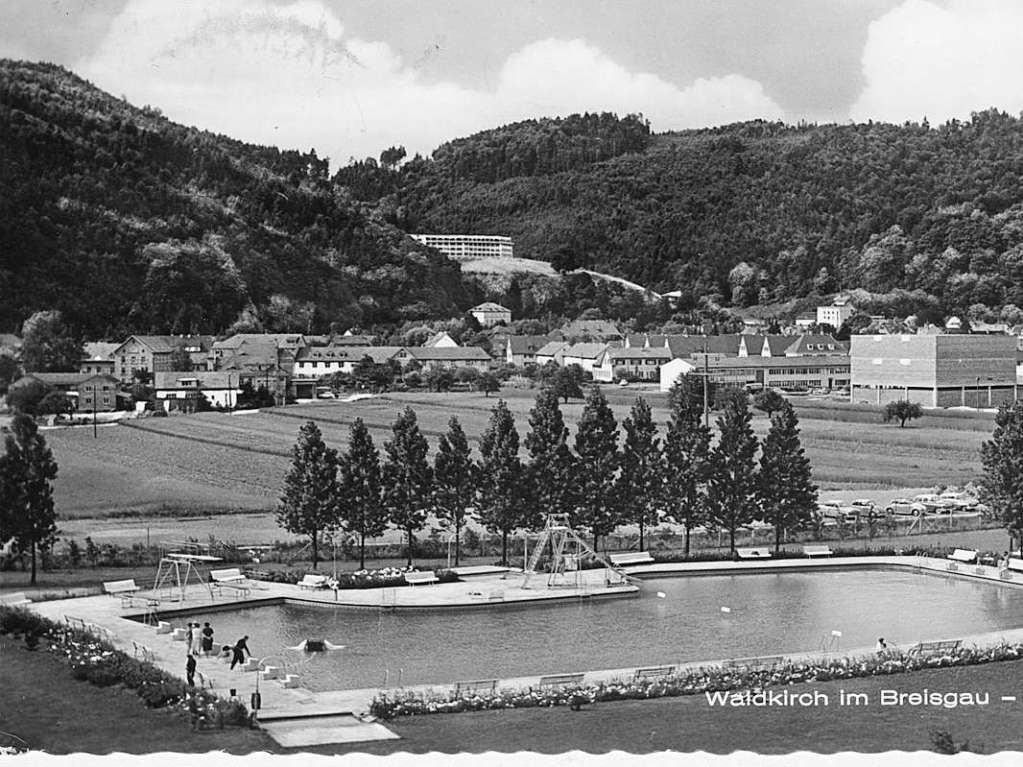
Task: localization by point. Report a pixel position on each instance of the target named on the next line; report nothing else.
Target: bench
(822, 550)
(561, 680)
(123, 589)
(753, 663)
(419, 577)
(231, 578)
(653, 672)
(967, 556)
(479, 571)
(1015, 563)
(630, 558)
(932, 648)
(13, 600)
(753, 553)
(310, 581)
(478, 685)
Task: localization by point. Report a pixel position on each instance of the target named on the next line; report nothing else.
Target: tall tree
(596, 466)
(1002, 482)
(359, 489)
(786, 494)
(454, 479)
(642, 472)
(549, 470)
(407, 477)
(49, 345)
(732, 485)
(567, 382)
(500, 476)
(308, 504)
(686, 457)
(27, 469)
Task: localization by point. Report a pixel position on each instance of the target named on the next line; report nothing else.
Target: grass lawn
(50, 710)
(45, 706)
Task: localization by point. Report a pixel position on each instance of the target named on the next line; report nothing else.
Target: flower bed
(96, 661)
(387, 577)
(686, 682)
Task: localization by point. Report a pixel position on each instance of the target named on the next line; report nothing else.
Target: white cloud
(923, 60)
(290, 76)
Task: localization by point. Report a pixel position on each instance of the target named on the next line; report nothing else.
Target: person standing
(196, 640)
(240, 648)
(189, 636)
(190, 669)
(207, 639)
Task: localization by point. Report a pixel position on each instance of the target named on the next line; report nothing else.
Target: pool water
(768, 614)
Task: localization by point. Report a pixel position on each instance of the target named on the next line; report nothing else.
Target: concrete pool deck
(119, 622)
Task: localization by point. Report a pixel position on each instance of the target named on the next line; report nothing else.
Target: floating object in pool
(836, 633)
(316, 645)
(726, 609)
(661, 595)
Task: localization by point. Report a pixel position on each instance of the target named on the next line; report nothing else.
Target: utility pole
(706, 386)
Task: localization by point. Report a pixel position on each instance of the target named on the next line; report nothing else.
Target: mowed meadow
(215, 462)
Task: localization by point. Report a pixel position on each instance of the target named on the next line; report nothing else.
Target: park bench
(310, 581)
(621, 559)
(817, 550)
(561, 680)
(419, 577)
(753, 553)
(478, 685)
(933, 648)
(479, 571)
(123, 589)
(13, 600)
(752, 663)
(653, 672)
(1015, 563)
(231, 578)
(965, 556)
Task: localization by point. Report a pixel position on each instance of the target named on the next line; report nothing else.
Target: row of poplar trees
(600, 480)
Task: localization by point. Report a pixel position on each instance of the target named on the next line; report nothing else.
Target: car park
(905, 506)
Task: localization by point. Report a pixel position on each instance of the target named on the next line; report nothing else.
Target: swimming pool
(770, 613)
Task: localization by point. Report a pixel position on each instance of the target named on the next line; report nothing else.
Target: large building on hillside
(959, 370)
(466, 247)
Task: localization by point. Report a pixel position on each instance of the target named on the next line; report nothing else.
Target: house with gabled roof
(585, 355)
(630, 364)
(441, 339)
(152, 354)
(521, 350)
(180, 391)
(552, 351)
(87, 391)
(445, 357)
(97, 357)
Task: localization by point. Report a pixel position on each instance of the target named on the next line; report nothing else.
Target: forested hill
(129, 222)
(755, 212)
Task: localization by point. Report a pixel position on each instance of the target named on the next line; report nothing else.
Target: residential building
(467, 247)
(153, 354)
(717, 345)
(458, 357)
(788, 346)
(806, 321)
(176, 390)
(552, 351)
(489, 314)
(949, 370)
(316, 362)
(521, 350)
(643, 364)
(585, 355)
(87, 391)
(442, 340)
(825, 372)
(98, 358)
(836, 313)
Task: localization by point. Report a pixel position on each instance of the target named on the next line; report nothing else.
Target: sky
(350, 78)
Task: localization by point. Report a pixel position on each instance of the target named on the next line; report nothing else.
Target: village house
(521, 350)
(459, 357)
(181, 391)
(489, 314)
(154, 354)
(87, 391)
(585, 355)
(630, 364)
(552, 351)
(98, 358)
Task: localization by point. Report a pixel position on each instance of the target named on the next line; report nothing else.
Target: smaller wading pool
(770, 614)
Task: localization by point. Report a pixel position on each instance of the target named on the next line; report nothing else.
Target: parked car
(959, 501)
(838, 511)
(905, 506)
(933, 503)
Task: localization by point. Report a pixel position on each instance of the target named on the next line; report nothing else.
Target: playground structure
(176, 570)
(567, 552)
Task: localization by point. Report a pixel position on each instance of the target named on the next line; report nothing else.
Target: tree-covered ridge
(114, 214)
(759, 212)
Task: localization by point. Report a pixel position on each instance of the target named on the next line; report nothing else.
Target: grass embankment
(45, 706)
